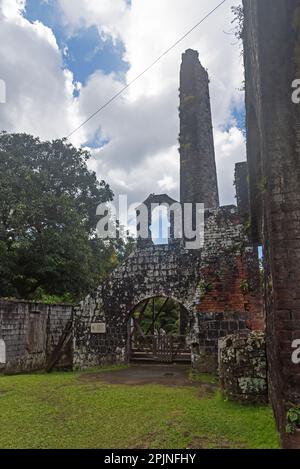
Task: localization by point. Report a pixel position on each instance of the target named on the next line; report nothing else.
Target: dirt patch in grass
(203, 442)
(141, 375)
(146, 441)
(169, 375)
(206, 390)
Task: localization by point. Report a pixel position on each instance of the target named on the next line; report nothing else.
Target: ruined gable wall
(172, 271)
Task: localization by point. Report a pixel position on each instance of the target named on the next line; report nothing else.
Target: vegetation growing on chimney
(293, 419)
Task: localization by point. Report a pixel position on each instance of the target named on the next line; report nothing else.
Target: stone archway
(218, 286)
(158, 330)
(101, 321)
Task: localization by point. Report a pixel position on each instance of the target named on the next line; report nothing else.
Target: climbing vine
(238, 21)
(244, 287)
(204, 288)
(293, 419)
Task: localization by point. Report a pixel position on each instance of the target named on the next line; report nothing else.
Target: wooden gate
(150, 341)
(160, 348)
(163, 348)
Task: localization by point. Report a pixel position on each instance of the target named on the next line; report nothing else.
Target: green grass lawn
(61, 411)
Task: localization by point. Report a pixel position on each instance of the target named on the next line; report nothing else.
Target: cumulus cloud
(39, 91)
(140, 129)
(107, 15)
(12, 8)
(158, 171)
(230, 149)
(145, 121)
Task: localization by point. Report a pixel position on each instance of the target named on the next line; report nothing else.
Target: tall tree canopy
(48, 201)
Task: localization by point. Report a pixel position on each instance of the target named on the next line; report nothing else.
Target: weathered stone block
(242, 367)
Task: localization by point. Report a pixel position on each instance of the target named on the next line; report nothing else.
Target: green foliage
(293, 419)
(187, 100)
(247, 227)
(186, 146)
(262, 185)
(42, 297)
(244, 286)
(238, 32)
(205, 378)
(204, 287)
(261, 264)
(48, 201)
(66, 410)
(238, 21)
(168, 319)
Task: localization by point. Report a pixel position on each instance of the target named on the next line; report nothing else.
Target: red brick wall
(232, 289)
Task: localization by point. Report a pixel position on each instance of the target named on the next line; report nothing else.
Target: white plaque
(98, 328)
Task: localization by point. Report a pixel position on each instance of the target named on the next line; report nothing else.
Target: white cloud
(142, 126)
(145, 121)
(107, 15)
(12, 8)
(142, 179)
(230, 149)
(39, 92)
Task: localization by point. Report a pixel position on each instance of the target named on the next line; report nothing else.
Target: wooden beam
(157, 315)
(142, 312)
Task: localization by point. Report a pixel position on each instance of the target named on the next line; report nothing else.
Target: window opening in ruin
(160, 225)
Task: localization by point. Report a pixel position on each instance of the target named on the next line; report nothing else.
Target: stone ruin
(217, 285)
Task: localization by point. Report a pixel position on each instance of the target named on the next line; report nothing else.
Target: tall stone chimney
(198, 175)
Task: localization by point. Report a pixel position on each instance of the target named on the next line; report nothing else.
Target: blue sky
(86, 51)
(239, 115)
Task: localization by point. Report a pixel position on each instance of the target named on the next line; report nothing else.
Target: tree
(48, 201)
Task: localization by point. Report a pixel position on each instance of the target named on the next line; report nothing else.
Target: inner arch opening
(158, 330)
(160, 225)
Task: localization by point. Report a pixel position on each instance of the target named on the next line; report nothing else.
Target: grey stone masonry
(216, 285)
(241, 180)
(243, 367)
(198, 176)
(30, 332)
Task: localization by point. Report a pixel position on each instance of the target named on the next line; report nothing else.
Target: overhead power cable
(115, 96)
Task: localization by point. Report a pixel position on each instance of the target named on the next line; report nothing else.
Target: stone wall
(241, 181)
(243, 367)
(272, 63)
(211, 327)
(30, 332)
(202, 281)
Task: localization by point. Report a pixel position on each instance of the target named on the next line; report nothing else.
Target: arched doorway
(158, 330)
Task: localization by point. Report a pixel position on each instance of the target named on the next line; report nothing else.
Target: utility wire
(145, 71)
